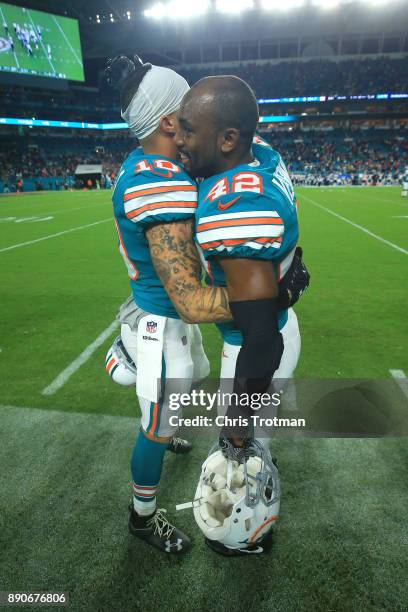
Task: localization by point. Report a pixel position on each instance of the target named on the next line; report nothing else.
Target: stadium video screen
(38, 43)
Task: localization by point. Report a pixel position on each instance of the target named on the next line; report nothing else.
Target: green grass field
(342, 541)
(61, 33)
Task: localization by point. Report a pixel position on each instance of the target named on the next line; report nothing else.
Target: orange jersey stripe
(154, 423)
(159, 205)
(110, 364)
(264, 240)
(153, 190)
(239, 222)
(244, 240)
(208, 245)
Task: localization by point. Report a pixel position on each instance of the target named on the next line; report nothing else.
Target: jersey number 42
(244, 181)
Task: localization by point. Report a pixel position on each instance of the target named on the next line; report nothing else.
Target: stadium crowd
(314, 77)
(321, 157)
(50, 161)
(318, 77)
(316, 157)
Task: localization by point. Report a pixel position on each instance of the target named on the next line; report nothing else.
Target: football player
(154, 202)
(247, 228)
(246, 224)
(404, 181)
(154, 205)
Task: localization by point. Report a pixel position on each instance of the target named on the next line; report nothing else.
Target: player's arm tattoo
(177, 263)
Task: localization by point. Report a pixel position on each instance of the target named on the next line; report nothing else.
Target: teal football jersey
(149, 190)
(250, 212)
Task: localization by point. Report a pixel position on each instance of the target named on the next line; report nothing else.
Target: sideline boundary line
(401, 380)
(82, 358)
(360, 227)
(73, 229)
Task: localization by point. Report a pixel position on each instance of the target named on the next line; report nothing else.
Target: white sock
(144, 508)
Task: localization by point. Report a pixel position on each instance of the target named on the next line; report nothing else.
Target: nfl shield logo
(151, 327)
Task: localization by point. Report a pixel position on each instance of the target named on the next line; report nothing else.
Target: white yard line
(401, 380)
(360, 227)
(63, 377)
(73, 229)
(41, 42)
(67, 41)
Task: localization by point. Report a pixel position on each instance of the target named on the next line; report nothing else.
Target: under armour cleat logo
(177, 545)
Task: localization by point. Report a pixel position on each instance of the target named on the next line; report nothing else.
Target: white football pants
(291, 351)
(183, 362)
(282, 376)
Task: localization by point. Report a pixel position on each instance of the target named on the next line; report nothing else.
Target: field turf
(342, 541)
(61, 33)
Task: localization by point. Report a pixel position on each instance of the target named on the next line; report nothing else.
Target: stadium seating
(350, 154)
(316, 77)
(315, 156)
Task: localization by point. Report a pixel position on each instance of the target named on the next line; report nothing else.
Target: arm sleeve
(160, 201)
(258, 359)
(250, 227)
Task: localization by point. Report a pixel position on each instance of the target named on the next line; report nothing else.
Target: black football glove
(294, 283)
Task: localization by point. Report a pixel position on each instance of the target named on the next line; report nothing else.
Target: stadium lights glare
(380, 3)
(177, 9)
(234, 6)
(326, 4)
(156, 12)
(271, 5)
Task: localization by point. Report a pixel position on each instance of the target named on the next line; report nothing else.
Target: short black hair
(125, 75)
(233, 104)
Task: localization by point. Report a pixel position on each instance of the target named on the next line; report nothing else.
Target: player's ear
(229, 140)
(169, 124)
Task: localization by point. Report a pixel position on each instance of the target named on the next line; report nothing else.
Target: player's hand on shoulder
(295, 282)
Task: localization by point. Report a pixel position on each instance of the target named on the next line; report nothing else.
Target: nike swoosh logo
(257, 551)
(222, 206)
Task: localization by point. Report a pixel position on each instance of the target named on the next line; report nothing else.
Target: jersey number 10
(161, 167)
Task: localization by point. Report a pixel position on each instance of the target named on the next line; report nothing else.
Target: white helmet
(119, 364)
(237, 503)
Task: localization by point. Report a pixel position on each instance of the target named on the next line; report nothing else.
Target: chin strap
(197, 502)
(203, 500)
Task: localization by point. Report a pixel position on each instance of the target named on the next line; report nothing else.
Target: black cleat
(261, 548)
(157, 531)
(178, 446)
